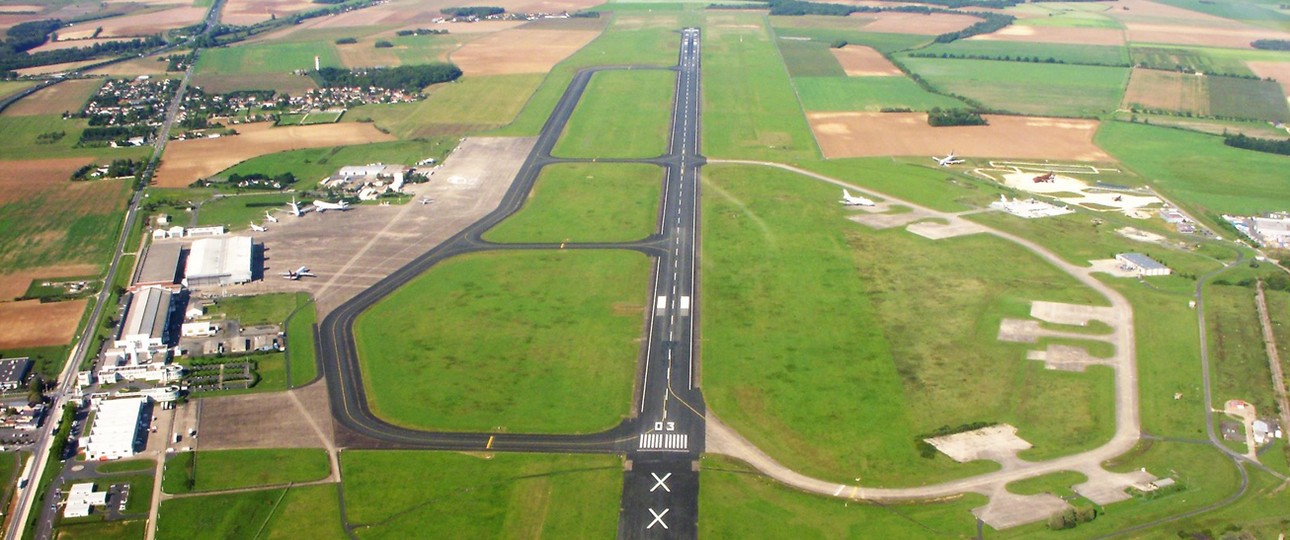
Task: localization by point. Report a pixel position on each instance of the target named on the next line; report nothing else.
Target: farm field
(398, 494)
(30, 323)
(188, 161)
(1063, 15)
(1055, 34)
(492, 334)
(861, 61)
(138, 24)
(826, 30)
(868, 94)
(248, 12)
(1280, 71)
(223, 83)
(104, 530)
(622, 114)
(299, 512)
(1202, 35)
(809, 58)
(892, 364)
(67, 223)
(217, 470)
(148, 65)
(1224, 97)
(1189, 59)
(860, 134)
(50, 136)
(519, 50)
(1231, 97)
(581, 202)
(1251, 12)
(892, 22)
(310, 119)
(406, 50)
(467, 105)
(1197, 170)
(1039, 89)
(1167, 90)
(1109, 55)
(9, 88)
(69, 96)
(277, 58)
(1239, 362)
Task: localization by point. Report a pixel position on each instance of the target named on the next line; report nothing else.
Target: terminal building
(1142, 264)
(219, 262)
(115, 433)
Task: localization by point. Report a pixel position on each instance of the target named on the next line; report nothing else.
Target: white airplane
(323, 206)
(947, 160)
(850, 200)
(426, 200)
(298, 273)
(270, 217)
(258, 228)
(295, 208)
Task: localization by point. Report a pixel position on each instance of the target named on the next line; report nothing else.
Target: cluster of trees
(26, 36)
(1070, 517)
(262, 181)
(1009, 58)
(420, 32)
(346, 41)
(50, 137)
(118, 168)
(938, 117)
(1271, 146)
(10, 59)
(99, 136)
(993, 22)
(1271, 44)
(177, 62)
(383, 44)
(472, 11)
(406, 78)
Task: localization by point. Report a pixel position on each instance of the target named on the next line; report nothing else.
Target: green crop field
(622, 114)
(269, 57)
(313, 164)
(1187, 59)
(1230, 97)
(1197, 170)
(302, 512)
(394, 494)
(808, 58)
(301, 347)
(490, 340)
(217, 470)
(71, 223)
(583, 202)
(1056, 89)
(466, 105)
(1064, 14)
(776, 243)
(1239, 363)
(239, 211)
(1071, 54)
(753, 121)
(1253, 12)
(868, 94)
(825, 29)
(22, 132)
(9, 88)
(259, 309)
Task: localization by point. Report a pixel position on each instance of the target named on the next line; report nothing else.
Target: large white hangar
(219, 262)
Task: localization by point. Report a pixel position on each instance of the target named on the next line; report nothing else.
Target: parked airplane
(298, 273)
(947, 160)
(426, 200)
(258, 228)
(850, 200)
(270, 217)
(295, 208)
(323, 206)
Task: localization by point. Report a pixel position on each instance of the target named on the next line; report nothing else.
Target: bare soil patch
(21, 8)
(187, 161)
(914, 23)
(1169, 90)
(1199, 35)
(33, 324)
(73, 43)
(1276, 70)
(135, 25)
(859, 134)
(860, 61)
(1056, 34)
(14, 284)
(22, 179)
(67, 96)
(519, 51)
(247, 12)
(133, 68)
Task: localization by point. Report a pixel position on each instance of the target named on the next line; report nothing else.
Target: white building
(199, 329)
(81, 498)
(156, 371)
(1272, 232)
(145, 329)
(115, 429)
(1030, 208)
(219, 261)
(1142, 264)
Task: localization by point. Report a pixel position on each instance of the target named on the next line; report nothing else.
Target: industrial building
(1142, 264)
(81, 498)
(115, 432)
(219, 262)
(160, 267)
(145, 330)
(13, 373)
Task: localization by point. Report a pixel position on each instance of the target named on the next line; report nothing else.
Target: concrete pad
(268, 420)
(1019, 331)
(1066, 358)
(936, 231)
(997, 443)
(1112, 267)
(1006, 510)
(1105, 487)
(1071, 314)
(880, 216)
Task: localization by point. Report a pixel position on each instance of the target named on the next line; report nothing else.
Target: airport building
(160, 267)
(219, 262)
(1142, 264)
(115, 431)
(81, 498)
(13, 373)
(145, 329)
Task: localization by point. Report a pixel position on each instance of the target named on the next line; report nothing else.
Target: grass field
(260, 309)
(868, 94)
(9, 88)
(312, 164)
(1238, 361)
(1043, 89)
(1064, 14)
(303, 512)
(216, 470)
(1058, 484)
(1246, 98)
(484, 341)
(131, 465)
(1197, 170)
(133, 529)
(21, 133)
(268, 57)
(809, 58)
(881, 350)
(72, 223)
(622, 114)
(309, 119)
(1070, 54)
(391, 494)
(930, 187)
(301, 347)
(754, 121)
(825, 29)
(1253, 12)
(582, 202)
(469, 104)
(1188, 59)
(239, 211)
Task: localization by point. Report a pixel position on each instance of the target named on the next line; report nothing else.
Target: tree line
(1271, 146)
(407, 78)
(11, 60)
(938, 117)
(472, 11)
(1271, 44)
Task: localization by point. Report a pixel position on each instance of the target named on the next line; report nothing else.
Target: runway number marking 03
(664, 426)
(658, 518)
(660, 482)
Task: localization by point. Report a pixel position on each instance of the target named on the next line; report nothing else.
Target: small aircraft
(295, 208)
(323, 206)
(850, 200)
(258, 228)
(426, 200)
(298, 273)
(270, 217)
(947, 160)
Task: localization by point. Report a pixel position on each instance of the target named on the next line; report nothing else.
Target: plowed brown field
(860, 134)
(33, 324)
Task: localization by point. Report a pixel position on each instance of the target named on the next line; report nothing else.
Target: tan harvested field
(21, 8)
(54, 68)
(632, 22)
(33, 324)
(73, 43)
(1169, 90)
(14, 284)
(861, 61)
(363, 54)
(1056, 34)
(282, 82)
(67, 96)
(914, 23)
(137, 24)
(187, 161)
(248, 12)
(1199, 35)
(1147, 10)
(150, 65)
(519, 51)
(862, 134)
(1275, 70)
(22, 179)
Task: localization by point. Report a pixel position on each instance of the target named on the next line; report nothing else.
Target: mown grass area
(752, 121)
(1064, 14)
(313, 164)
(1058, 483)
(1187, 59)
(22, 139)
(239, 211)
(133, 529)
(868, 94)
(301, 351)
(1230, 97)
(929, 186)
(1042, 89)
(9, 88)
(893, 337)
(508, 341)
(302, 512)
(1071, 54)
(259, 309)
(809, 58)
(1238, 359)
(72, 223)
(401, 494)
(1257, 515)
(267, 57)
(216, 470)
(1197, 171)
(585, 202)
(825, 29)
(738, 503)
(130, 465)
(466, 105)
(622, 114)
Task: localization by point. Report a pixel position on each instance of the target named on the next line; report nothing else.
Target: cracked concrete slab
(1105, 487)
(881, 216)
(996, 443)
(1071, 314)
(1067, 358)
(934, 230)
(1006, 510)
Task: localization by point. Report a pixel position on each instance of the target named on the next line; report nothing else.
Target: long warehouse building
(219, 262)
(145, 329)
